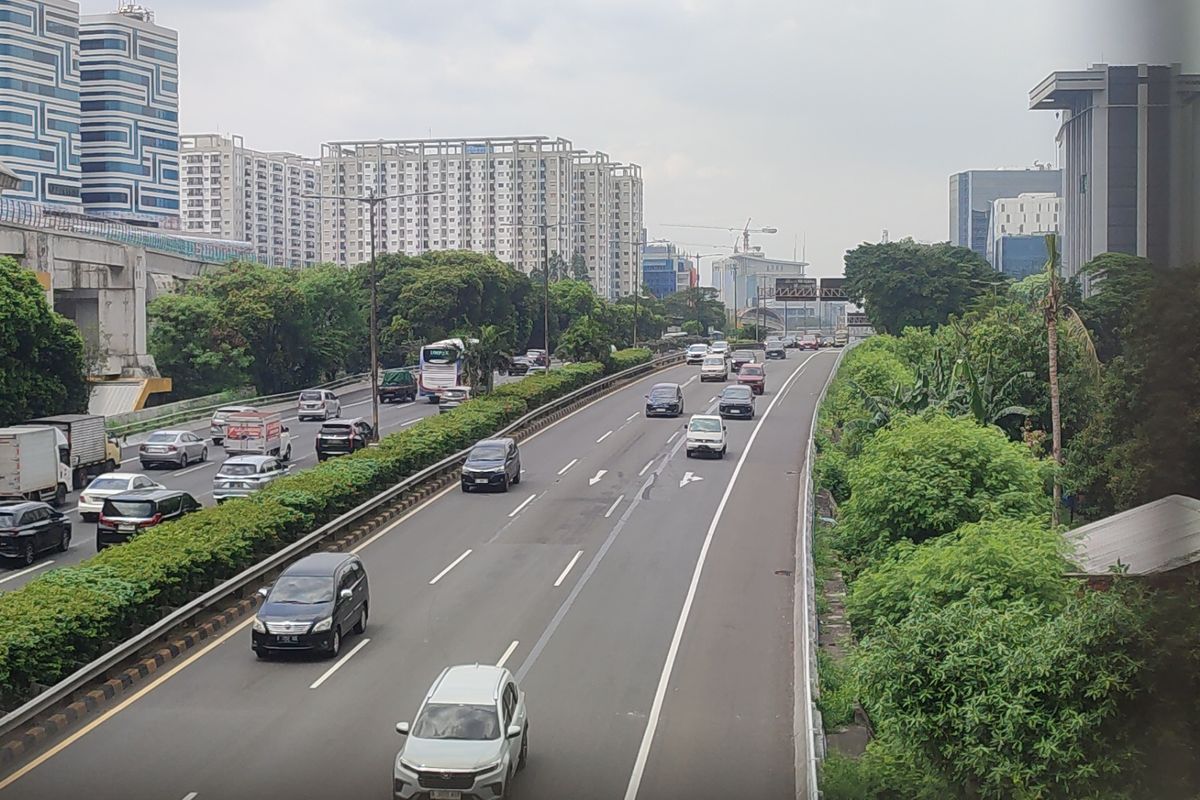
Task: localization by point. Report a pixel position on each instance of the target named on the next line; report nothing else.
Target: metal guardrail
(203, 412)
(252, 575)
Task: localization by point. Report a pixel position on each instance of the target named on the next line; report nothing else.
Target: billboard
(833, 288)
(795, 288)
(857, 320)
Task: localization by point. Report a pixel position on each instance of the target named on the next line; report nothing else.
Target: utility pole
(545, 291)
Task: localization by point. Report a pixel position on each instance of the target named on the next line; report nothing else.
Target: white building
(522, 199)
(129, 116)
(233, 192)
(1030, 212)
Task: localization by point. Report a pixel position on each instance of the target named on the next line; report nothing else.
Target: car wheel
(517, 478)
(204, 454)
(27, 554)
(723, 449)
(183, 460)
(504, 485)
(360, 627)
(524, 756)
(263, 654)
(691, 453)
(335, 646)
(287, 456)
(64, 541)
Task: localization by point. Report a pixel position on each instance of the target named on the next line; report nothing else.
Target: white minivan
(696, 353)
(705, 436)
(714, 368)
(318, 404)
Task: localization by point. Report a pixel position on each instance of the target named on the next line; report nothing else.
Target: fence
(48, 217)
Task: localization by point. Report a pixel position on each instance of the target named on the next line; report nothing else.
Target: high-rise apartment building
(973, 192)
(39, 98)
(523, 199)
(129, 116)
(1017, 239)
(1130, 145)
(233, 192)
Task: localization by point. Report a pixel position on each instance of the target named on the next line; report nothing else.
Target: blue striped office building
(129, 103)
(39, 98)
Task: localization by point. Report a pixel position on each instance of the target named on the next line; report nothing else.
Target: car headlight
(404, 765)
(323, 625)
(490, 768)
(258, 626)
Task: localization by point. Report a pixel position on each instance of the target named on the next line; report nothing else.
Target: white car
(91, 500)
(696, 353)
(714, 368)
(318, 404)
(719, 349)
(705, 436)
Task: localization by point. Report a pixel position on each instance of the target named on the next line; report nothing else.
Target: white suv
(714, 368)
(696, 353)
(469, 738)
(318, 404)
(705, 435)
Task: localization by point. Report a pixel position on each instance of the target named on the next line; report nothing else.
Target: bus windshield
(439, 354)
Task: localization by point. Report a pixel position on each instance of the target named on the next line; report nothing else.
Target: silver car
(216, 425)
(470, 737)
(317, 404)
(172, 448)
(244, 475)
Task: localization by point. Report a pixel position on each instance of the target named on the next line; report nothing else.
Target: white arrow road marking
(689, 477)
(600, 473)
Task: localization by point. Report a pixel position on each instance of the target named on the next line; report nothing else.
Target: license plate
(444, 794)
(126, 528)
(156, 450)
(288, 638)
(481, 480)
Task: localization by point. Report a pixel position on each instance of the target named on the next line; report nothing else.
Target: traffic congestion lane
(233, 692)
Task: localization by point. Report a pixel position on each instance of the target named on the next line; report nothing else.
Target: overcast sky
(829, 119)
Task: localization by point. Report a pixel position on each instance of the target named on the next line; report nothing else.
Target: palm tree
(486, 355)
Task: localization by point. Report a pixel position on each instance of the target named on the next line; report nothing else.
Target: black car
(775, 349)
(492, 464)
(399, 386)
(737, 401)
(338, 437)
(740, 358)
(129, 513)
(28, 528)
(518, 365)
(665, 400)
(312, 606)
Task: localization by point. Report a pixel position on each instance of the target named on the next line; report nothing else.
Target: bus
(441, 366)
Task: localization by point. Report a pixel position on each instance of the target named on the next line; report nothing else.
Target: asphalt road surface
(643, 599)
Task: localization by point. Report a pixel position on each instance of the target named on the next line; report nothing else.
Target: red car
(754, 376)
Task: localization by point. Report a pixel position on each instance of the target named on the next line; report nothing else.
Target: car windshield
(161, 437)
(743, 355)
(736, 393)
(7, 519)
(141, 509)
(238, 469)
(310, 395)
(705, 425)
(453, 721)
(714, 362)
(101, 484)
(302, 590)
(698, 348)
(490, 452)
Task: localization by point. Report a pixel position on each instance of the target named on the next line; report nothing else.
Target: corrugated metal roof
(115, 397)
(1157, 537)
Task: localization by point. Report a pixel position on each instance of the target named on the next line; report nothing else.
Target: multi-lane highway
(643, 599)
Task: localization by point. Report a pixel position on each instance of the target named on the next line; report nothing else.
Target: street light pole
(546, 292)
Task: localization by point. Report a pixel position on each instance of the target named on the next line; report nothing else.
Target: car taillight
(103, 520)
(157, 518)
(170, 448)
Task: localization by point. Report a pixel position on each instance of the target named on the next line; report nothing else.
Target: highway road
(643, 599)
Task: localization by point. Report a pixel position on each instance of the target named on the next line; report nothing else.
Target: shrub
(629, 358)
(922, 477)
(869, 368)
(1004, 560)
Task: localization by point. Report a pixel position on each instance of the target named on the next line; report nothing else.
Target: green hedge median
(68, 617)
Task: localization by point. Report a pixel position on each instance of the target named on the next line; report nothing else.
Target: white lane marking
(317, 683)
(600, 473)
(605, 436)
(672, 437)
(453, 564)
(196, 468)
(712, 399)
(639, 766)
(411, 422)
(359, 403)
(524, 503)
(689, 477)
(649, 464)
(34, 568)
(291, 419)
(190, 796)
(613, 507)
(563, 576)
(691, 380)
(507, 653)
(131, 460)
(631, 416)
(572, 463)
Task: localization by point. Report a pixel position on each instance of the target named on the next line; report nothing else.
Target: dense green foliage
(42, 368)
(902, 284)
(65, 618)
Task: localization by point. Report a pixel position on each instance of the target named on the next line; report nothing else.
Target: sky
(831, 120)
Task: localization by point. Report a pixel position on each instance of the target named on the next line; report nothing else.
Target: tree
(1120, 281)
(697, 303)
(197, 346)
(487, 353)
(693, 328)
(41, 352)
(922, 477)
(904, 284)
(584, 340)
(579, 270)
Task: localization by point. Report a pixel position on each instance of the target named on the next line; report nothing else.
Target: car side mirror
(346, 594)
(402, 728)
(263, 591)
(286, 429)
(724, 427)
(514, 731)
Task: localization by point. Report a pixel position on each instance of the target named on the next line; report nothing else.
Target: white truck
(31, 464)
(90, 450)
(258, 433)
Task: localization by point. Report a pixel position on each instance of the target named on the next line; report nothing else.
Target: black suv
(312, 606)
(665, 400)
(340, 436)
(737, 401)
(129, 513)
(740, 358)
(28, 527)
(492, 464)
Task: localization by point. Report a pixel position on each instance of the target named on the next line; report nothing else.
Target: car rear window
(161, 437)
(737, 393)
(107, 483)
(141, 509)
(238, 469)
(664, 392)
(310, 395)
(453, 721)
(337, 430)
(751, 369)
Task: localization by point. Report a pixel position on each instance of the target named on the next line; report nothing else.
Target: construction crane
(744, 230)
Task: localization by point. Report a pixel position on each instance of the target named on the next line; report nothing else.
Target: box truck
(91, 451)
(31, 465)
(258, 433)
